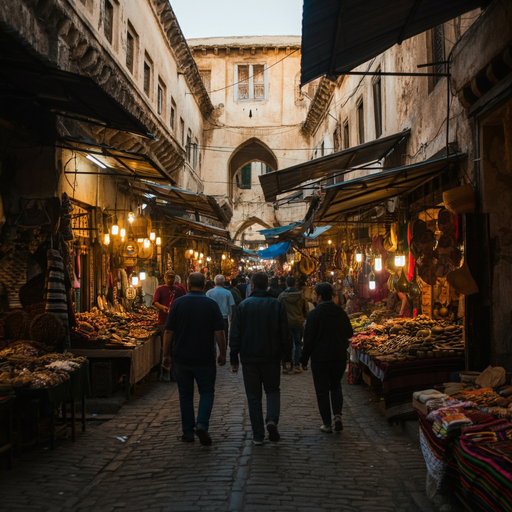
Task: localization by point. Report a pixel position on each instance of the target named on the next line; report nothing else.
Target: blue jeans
(296, 333)
(205, 378)
(257, 375)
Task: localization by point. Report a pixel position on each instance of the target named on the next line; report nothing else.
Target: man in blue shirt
(224, 298)
(192, 322)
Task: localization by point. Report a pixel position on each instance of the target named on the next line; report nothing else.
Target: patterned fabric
(55, 292)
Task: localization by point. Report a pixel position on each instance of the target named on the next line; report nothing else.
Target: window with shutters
(251, 82)
(161, 93)
(360, 121)
(189, 146)
(267, 169)
(182, 131)
(438, 51)
(243, 177)
(206, 77)
(194, 156)
(147, 78)
(108, 20)
(346, 135)
(336, 139)
(130, 49)
(172, 120)
(377, 106)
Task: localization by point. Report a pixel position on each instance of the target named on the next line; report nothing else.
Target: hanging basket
(460, 199)
(141, 226)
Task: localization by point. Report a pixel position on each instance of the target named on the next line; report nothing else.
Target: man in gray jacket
(259, 334)
(297, 310)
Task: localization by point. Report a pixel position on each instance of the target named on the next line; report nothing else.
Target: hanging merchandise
(460, 199)
(462, 281)
(141, 227)
(402, 285)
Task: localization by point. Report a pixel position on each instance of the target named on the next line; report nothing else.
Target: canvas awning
(285, 180)
(190, 201)
(354, 194)
(274, 251)
(339, 35)
(196, 226)
(318, 231)
(128, 164)
(24, 75)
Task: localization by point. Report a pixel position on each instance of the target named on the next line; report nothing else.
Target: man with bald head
(193, 321)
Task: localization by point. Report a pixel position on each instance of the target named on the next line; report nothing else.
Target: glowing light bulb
(329, 242)
(359, 257)
(152, 236)
(196, 254)
(191, 251)
(140, 240)
(223, 256)
(107, 238)
(201, 255)
(135, 280)
(158, 241)
(371, 285)
(131, 217)
(378, 263)
(115, 229)
(123, 232)
(200, 262)
(208, 258)
(147, 243)
(142, 274)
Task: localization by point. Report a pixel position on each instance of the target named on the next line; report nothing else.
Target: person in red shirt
(164, 297)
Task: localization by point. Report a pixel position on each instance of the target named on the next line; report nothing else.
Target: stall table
(137, 362)
(401, 379)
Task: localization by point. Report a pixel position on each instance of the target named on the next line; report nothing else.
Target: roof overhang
(195, 225)
(286, 180)
(339, 35)
(190, 201)
(118, 162)
(353, 195)
(25, 76)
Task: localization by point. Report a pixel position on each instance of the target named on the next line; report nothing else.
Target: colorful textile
(485, 475)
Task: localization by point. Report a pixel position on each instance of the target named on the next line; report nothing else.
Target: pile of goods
(37, 372)
(405, 339)
(114, 330)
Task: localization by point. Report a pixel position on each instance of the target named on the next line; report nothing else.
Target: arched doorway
(239, 164)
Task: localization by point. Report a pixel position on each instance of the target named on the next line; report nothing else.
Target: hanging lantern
(147, 243)
(371, 282)
(187, 255)
(131, 217)
(152, 236)
(399, 260)
(200, 262)
(208, 259)
(329, 242)
(196, 255)
(135, 280)
(223, 256)
(201, 255)
(378, 264)
(140, 240)
(107, 239)
(359, 257)
(158, 241)
(115, 229)
(123, 232)
(142, 274)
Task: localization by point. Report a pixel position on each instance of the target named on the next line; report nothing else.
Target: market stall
(466, 440)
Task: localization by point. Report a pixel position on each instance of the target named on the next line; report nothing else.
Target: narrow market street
(370, 466)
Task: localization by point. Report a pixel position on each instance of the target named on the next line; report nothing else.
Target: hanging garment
(56, 297)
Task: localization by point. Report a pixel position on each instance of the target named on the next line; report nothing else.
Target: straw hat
(460, 199)
(462, 281)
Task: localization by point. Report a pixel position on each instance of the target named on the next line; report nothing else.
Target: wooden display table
(135, 363)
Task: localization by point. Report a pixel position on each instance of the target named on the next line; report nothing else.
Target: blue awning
(272, 232)
(318, 231)
(274, 251)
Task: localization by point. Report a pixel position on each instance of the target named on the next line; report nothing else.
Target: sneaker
(204, 436)
(273, 433)
(338, 424)
(257, 443)
(297, 369)
(187, 439)
(327, 429)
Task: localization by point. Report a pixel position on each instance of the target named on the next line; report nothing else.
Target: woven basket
(460, 199)
(16, 326)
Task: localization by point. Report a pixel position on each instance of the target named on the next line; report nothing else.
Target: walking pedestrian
(297, 309)
(274, 288)
(260, 336)
(164, 297)
(193, 321)
(224, 298)
(177, 283)
(232, 286)
(326, 336)
(241, 286)
(282, 283)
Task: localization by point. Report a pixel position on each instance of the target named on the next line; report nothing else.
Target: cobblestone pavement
(370, 466)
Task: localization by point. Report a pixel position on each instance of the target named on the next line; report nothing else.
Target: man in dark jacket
(274, 288)
(193, 322)
(260, 335)
(326, 336)
(297, 309)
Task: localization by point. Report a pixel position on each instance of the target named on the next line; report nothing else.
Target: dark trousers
(256, 376)
(327, 377)
(205, 378)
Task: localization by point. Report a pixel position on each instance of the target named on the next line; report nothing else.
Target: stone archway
(248, 223)
(252, 150)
